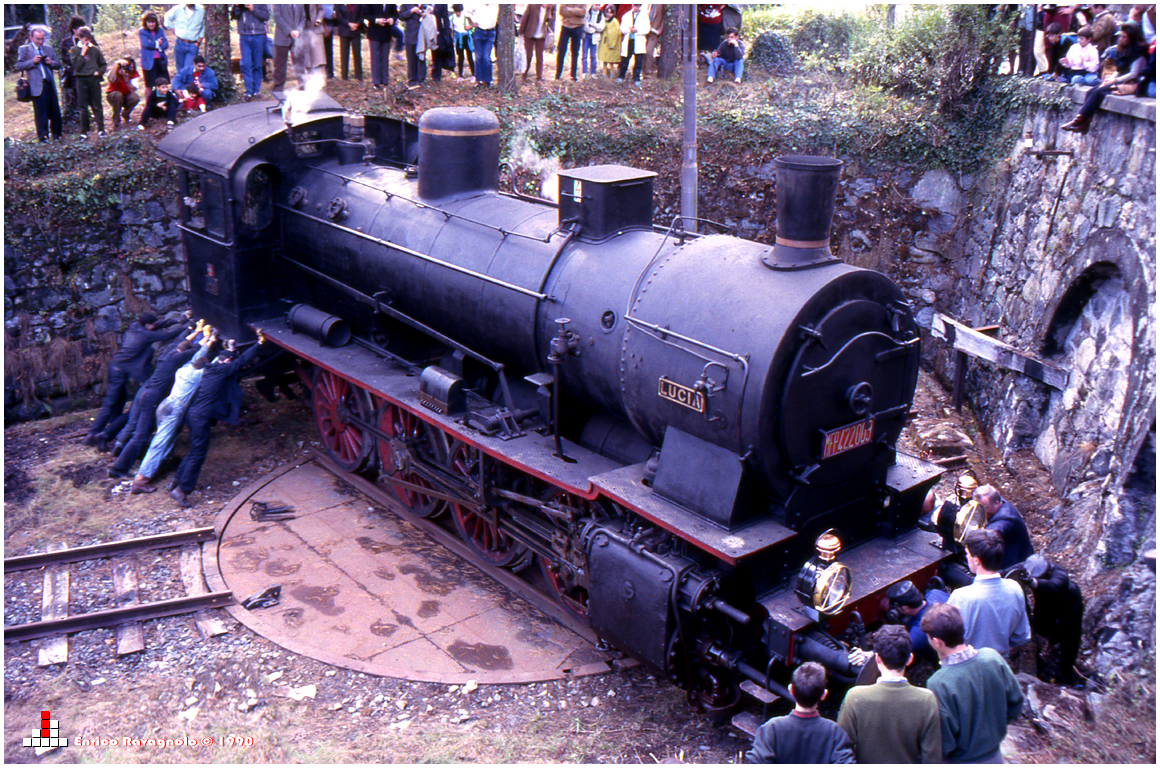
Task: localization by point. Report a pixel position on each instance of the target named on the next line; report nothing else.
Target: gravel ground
(295, 709)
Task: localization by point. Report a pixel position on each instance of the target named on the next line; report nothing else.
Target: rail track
(129, 612)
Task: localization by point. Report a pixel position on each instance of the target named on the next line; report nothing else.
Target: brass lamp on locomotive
(694, 436)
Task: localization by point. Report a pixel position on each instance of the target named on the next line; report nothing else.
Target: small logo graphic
(49, 737)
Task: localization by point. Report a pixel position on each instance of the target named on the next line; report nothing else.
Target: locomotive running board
(388, 380)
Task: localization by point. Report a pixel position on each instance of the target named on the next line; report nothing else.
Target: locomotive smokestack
(806, 187)
(458, 152)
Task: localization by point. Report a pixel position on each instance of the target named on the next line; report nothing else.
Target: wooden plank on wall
(971, 342)
(194, 580)
(130, 637)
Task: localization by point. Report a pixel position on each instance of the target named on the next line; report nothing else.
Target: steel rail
(116, 616)
(97, 551)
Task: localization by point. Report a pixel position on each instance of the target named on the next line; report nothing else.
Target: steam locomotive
(692, 435)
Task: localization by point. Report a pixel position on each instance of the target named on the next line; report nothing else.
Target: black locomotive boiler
(694, 436)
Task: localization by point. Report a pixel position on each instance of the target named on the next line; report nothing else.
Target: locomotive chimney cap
(805, 190)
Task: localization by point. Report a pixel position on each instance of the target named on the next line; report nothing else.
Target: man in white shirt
(483, 18)
(993, 608)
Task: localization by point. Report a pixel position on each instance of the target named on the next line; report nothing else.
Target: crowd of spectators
(1081, 45)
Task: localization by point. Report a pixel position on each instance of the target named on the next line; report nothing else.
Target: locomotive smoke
(525, 156)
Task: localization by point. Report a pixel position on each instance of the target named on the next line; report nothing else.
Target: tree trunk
(670, 42)
(505, 69)
(58, 18)
(218, 55)
(890, 9)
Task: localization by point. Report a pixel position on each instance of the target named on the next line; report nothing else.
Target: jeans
(463, 46)
(183, 54)
(253, 46)
(588, 55)
(380, 62)
(568, 35)
(1085, 78)
(736, 67)
(140, 430)
(484, 40)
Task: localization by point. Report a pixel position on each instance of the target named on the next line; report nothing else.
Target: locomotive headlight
(823, 583)
(971, 517)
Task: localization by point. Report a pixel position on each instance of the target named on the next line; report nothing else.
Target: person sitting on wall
(730, 55)
(1082, 62)
(1123, 66)
(195, 85)
(1055, 47)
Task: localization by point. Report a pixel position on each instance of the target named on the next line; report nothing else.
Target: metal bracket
(264, 599)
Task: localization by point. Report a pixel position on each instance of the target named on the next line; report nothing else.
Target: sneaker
(708, 79)
(201, 108)
(737, 80)
(140, 127)
(101, 134)
(169, 123)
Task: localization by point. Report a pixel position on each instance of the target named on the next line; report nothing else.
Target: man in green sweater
(891, 721)
(976, 691)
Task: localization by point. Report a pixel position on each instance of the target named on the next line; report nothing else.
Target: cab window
(203, 204)
(258, 199)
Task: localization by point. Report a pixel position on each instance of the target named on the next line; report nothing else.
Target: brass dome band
(438, 132)
(802, 243)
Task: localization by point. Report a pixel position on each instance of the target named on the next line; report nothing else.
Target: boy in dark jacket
(161, 103)
(802, 736)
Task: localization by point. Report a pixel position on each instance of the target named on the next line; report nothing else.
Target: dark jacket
(1009, 524)
(800, 739)
(219, 395)
(136, 350)
(729, 52)
(374, 31)
(168, 361)
(411, 15)
(1055, 595)
(346, 14)
(251, 22)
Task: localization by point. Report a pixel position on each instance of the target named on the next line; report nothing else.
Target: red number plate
(847, 438)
